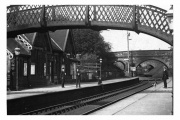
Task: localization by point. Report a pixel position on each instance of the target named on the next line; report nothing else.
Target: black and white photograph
(89, 59)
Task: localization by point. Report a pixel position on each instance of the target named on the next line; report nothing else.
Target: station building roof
(59, 41)
(59, 38)
(12, 44)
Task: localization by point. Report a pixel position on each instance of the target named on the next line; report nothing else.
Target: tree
(89, 41)
(91, 45)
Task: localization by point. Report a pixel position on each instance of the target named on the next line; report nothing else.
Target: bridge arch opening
(121, 65)
(152, 60)
(151, 68)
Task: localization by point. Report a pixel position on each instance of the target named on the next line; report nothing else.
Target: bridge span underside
(141, 19)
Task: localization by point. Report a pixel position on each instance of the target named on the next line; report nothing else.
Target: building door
(73, 70)
(10, 73)
(50, 72)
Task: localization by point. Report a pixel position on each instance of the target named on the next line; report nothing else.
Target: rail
(90, 104)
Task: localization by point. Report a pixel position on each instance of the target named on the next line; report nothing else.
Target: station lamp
(17, 51)
(99, 82)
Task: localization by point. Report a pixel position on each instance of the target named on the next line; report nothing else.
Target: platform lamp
(99, 82)
(63, 74)
(17, 53)
(128, 35)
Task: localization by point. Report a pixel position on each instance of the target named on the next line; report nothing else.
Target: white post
(99, 82)
(100, 72)
(128, 51)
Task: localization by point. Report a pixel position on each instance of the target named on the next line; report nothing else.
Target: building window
(25, 69)
(32, 68)
(44, 69)
(71, 69)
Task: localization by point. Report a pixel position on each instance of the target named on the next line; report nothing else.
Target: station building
(42, 55)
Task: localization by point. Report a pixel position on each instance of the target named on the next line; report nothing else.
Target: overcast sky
(118, 39)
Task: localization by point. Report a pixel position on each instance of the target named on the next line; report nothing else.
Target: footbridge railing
(146, 19)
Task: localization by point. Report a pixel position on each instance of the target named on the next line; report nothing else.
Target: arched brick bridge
(140, 56)
(146, 19)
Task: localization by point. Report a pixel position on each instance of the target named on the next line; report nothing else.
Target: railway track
(90, 104)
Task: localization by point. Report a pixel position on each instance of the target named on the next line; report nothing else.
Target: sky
(118, 39)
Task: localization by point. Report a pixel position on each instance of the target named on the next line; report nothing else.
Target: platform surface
(56, 88)
(156, 100)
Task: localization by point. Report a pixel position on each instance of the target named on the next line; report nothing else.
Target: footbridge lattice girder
(145, 18)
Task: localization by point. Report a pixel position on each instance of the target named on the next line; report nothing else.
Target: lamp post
(78, 79)
(99, 82)
(62, 75)
(128, 34)
(17, 52)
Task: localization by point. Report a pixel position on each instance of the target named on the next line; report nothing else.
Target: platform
(56, 88)
(156, 100)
